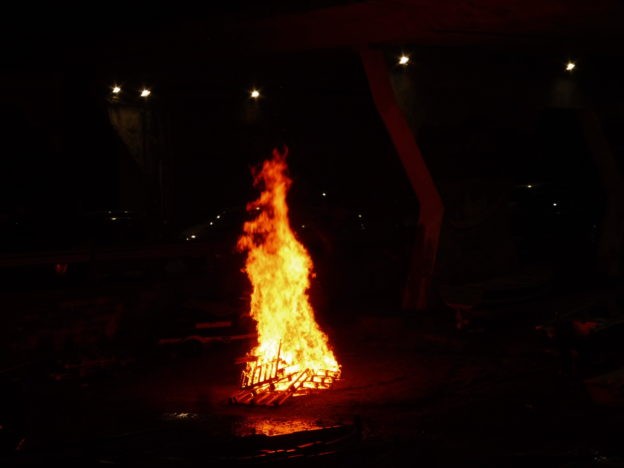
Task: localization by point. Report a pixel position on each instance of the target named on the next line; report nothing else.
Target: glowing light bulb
(529, 186)
(193, 236)
(145, 92)
(255, 94)
(570, 66)
(324, 194)
(554, 204)
(116, 89)
(403, 60)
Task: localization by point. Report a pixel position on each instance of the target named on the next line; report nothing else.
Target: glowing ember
(293, 353)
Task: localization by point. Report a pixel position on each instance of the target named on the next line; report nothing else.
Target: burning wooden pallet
(272, 383)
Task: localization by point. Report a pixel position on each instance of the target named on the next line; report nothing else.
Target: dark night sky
(480, 111)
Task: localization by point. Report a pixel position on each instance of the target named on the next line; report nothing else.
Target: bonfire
(293, 355)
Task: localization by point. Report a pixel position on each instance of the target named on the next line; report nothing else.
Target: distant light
(193, 236)
(554, 204)
(570, 66)
(257, 208)
(113, 219)
(255, 94)
(529, 186)
(403, 60)
(218, 216)
(211, 223)
(359, 216)
(116, 89)
(180, 415)
(324, 194)
(145, 92)
(303, 226)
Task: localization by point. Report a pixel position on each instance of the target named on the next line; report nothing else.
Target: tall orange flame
(279, 269)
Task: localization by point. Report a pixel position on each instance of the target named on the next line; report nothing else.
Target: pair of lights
(253, 93)
(530, 186)
(144, 93)
(404, 60)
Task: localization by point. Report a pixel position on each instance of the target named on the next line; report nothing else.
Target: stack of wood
(272, 383)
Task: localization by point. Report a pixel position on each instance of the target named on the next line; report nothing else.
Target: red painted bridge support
(417, 289)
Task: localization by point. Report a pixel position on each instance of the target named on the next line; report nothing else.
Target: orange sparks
(291, 346)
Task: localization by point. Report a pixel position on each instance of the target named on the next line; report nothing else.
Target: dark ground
(415, 391)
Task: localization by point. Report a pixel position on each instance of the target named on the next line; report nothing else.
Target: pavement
(413, 391)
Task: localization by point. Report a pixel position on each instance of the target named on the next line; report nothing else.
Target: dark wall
(490, 124)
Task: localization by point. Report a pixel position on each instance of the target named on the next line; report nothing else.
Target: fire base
(270, 384)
